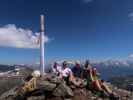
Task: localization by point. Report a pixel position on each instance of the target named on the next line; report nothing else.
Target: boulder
(46, 85)
(36, 98)
(55, 80)
(63, 91)
(9, 94)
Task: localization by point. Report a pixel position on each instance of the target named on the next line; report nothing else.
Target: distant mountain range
(111, 68)
(107, 69)
(4, 68)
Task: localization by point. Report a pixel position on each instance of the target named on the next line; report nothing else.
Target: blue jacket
(77, 71)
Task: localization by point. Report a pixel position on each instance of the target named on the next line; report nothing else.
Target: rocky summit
(50, 87)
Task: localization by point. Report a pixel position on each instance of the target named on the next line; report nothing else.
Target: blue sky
(76, 29)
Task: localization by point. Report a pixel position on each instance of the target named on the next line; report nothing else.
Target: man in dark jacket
(77, 70)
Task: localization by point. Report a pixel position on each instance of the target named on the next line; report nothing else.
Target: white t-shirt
(57, 70)
(66, 72)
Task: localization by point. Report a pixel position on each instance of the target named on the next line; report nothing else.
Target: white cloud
(87, 1)
(130, 16)
(130, 56)
(11, 36)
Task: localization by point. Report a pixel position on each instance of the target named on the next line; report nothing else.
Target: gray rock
(36, 98)
(67, 98)
(46, 85)
(8, 98)
(63, 91)
(8, 94)
(55, 80)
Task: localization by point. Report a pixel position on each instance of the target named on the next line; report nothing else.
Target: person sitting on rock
(56, 69)
(95, 80)
(87, 74)
(101, 86)
(66, 73)
(90, 74)
(86, 70)
(77, 70)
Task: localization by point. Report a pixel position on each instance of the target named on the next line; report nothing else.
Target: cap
(77, 62)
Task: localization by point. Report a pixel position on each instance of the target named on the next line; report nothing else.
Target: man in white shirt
(56, 69)
(66, 72)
